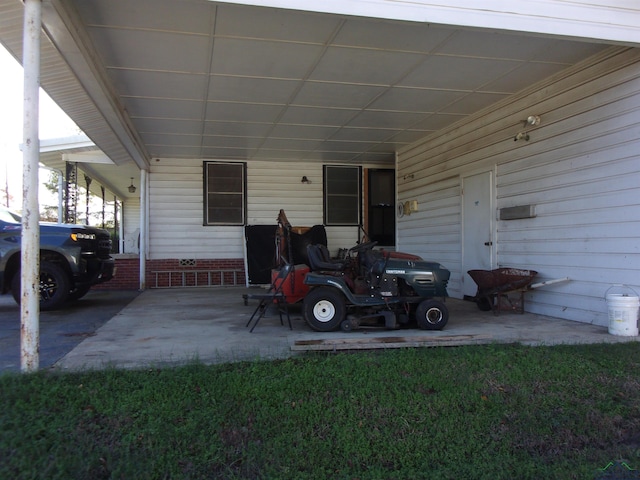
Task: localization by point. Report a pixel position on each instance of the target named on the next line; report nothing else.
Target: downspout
(30, 251)
(143, 228)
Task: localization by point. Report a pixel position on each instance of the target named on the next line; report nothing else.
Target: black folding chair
(273, 296)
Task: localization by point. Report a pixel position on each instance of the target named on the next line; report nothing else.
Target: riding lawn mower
(367, 287)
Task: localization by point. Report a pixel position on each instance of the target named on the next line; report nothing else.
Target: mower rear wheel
(432, 315)
(324, 309)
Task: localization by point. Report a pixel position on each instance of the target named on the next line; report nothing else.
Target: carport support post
(30, 251)
(144, 222)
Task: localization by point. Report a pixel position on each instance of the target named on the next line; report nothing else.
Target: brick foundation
(175, 273)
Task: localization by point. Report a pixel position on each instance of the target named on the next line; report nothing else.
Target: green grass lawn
(460, 413)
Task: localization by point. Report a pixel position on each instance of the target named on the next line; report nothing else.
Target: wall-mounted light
(530, 121)
(132, 187)
(305, 179)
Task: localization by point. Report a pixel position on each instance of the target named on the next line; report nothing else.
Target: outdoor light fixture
(532, 120)
(305, 179)
(132, 187)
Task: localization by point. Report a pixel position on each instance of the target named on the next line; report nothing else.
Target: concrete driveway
(161, 327)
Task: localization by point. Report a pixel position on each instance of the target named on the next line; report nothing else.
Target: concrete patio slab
(162, 327)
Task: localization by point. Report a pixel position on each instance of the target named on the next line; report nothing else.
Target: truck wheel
(324, 309)
(54, 286)
(78, 292)
(432, 315)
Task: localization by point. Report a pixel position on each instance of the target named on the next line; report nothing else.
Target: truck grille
(100, 247)
(104, 246)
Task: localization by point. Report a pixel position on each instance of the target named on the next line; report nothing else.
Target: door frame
(492, 171)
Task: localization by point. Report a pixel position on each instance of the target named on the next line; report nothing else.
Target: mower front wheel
(324, 309)
(432, 315)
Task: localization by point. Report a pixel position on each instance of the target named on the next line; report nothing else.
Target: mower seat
(320, 259)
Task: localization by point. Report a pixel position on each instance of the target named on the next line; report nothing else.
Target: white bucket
(623, 314)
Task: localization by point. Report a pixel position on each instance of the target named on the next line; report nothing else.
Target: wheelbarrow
(502, 289)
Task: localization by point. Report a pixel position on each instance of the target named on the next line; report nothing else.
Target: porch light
(132, 187)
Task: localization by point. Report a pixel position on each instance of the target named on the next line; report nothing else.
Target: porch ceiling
(198, 79)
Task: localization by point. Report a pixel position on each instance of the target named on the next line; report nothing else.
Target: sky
(54, 123)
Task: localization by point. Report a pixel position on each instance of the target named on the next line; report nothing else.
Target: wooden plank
(360, 343)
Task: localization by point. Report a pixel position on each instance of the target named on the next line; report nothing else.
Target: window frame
(326, 195)
(205, 186)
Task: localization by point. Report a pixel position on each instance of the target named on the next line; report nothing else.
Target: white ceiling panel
(299, 145)
(364, 66)
(384, 35)
(226, 153)
(274, 24)
(145, 83)
(309, 132)
(200, 79)
(244, 128)
(166, 125)
(254, 90)
(474, 43)
(338, 95)
(168, 151)
(317, 116)
(163, 108)
(457, 73)
(567, 52)
(172, 140)
(227, 141)
(386, 120)
(152, 50)
(238, 112)
(416, 100)
(164, 15)
(364, 134)
(244, 57)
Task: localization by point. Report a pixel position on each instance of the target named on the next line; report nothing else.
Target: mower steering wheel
(363, 247)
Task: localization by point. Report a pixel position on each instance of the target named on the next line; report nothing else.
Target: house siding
(176, 227)
(580, 169)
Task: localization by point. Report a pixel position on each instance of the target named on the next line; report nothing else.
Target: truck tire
(324, 309)
(78, 292)
(54, 286)
(432, 315)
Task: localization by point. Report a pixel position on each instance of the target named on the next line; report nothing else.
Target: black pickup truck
(73, 258)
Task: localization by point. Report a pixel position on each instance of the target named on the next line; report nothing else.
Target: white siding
(581, 170)
(176, 208)
(434, 232)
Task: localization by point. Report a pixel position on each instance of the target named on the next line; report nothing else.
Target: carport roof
(201, 79)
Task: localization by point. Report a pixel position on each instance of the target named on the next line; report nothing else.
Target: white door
(477, 227)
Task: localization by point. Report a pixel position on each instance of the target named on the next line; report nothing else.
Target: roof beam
(609, 21)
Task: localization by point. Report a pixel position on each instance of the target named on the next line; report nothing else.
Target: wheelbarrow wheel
(485, 303)
(432, 315)
(324, 309)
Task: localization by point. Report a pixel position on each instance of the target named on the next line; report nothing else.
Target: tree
(49, 213)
